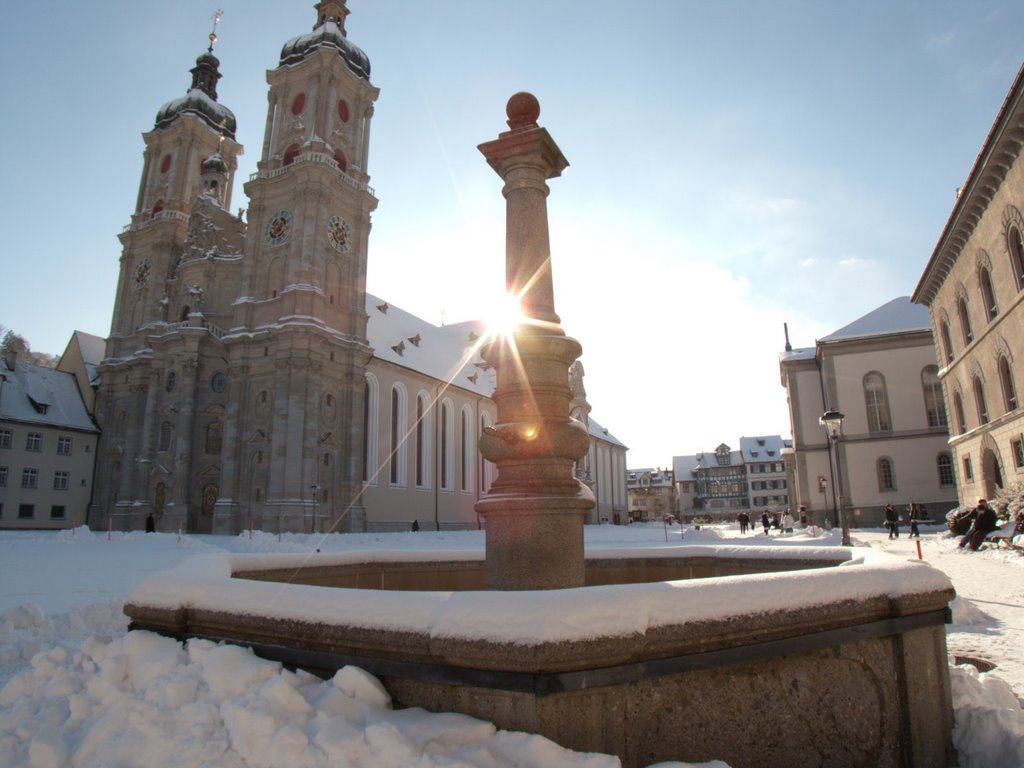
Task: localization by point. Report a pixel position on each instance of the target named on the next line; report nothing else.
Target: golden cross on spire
(217, 15)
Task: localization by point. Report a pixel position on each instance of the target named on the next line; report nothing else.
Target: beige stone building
(652, 493)
(880, 372)
(249, 379)
(973, 286)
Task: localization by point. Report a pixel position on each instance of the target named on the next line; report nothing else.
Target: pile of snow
(147, 700)
(988, 730)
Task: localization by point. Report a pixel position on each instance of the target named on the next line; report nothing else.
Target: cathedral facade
(249, 379)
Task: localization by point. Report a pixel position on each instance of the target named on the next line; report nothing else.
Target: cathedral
(249, 380)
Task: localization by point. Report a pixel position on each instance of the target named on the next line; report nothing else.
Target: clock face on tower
(339, 234)
(279, 227)
(142, 272)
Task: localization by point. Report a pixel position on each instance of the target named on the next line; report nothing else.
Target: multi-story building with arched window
(975, 280)
(880, 372)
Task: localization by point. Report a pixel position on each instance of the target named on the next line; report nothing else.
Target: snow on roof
(799, 353)
(897, 316)
(709, 459)
(93, 349)
(762, 447)
(602, 433)
(658, 477)
(35, 394)
(684, 466)
(447, 353)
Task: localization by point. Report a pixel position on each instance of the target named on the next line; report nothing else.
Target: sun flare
(504, 315)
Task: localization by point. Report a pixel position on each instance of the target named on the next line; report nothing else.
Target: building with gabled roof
(768, 486)
(47, 445)
(651, 492)
(880, 372)
(973, 288)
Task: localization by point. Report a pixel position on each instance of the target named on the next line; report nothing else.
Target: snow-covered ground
(78, 689)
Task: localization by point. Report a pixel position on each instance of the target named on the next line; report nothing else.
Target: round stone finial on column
(522, 109)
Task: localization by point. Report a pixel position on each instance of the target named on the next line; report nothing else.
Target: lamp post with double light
(832, 421)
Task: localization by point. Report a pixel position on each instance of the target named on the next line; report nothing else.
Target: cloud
(940, 40)
(855, 262)
(809, 262)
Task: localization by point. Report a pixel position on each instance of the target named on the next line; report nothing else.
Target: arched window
(446, 445)
(886, 475)
(958, 408)
(988, 296)
(466, 451)
(933, 404)
(290, 154)
(965, 321)
(422, 441)
(1015, 244)
(877, 403)
(947, 345)
(979, 401)
(1006, 380)
(945, 466)
(370, 411)
(396, 463)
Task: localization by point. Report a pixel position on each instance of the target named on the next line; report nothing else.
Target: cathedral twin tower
(232, 393)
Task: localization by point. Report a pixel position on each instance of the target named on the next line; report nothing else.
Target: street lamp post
(832, 421)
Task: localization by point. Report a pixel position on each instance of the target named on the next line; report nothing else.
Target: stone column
(535, 509)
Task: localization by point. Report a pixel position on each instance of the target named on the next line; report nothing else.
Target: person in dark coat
(984, 523)
(766, 521)
(892, 522)
(416, 525)
(150, 523)
(744, 521)
(915, 515)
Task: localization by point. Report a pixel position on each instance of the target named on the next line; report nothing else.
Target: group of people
(915, 513)
(786, 523)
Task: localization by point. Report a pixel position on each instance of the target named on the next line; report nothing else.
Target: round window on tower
(299, 104)
(165, 164)
(343, 111)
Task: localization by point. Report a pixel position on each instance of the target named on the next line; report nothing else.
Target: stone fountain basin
(664, 655)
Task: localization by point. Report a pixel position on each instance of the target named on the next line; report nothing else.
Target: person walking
(744, 521)
(892, 522)
(984, 523)
(766, 521)
(915, 515)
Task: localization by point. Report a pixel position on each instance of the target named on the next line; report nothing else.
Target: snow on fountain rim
(204, 582)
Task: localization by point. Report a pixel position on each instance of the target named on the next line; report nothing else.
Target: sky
(74, 686)
(733, 166)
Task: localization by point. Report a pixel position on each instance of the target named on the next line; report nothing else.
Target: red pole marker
(919, 550)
